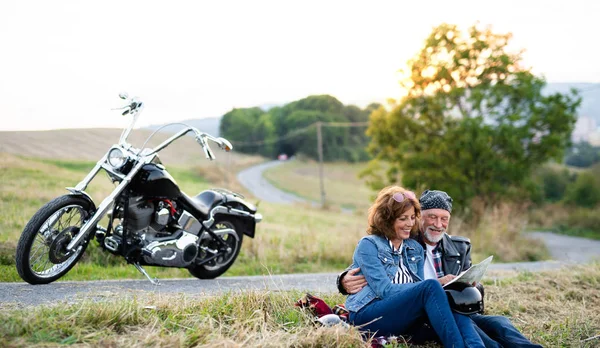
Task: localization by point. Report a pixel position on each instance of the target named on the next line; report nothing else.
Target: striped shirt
(402, 275)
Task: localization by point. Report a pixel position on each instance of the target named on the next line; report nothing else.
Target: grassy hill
(91, 144)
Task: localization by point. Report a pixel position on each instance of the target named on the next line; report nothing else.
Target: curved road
(253, 180)
(565, 250)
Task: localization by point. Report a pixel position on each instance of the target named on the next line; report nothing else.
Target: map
(473, 274)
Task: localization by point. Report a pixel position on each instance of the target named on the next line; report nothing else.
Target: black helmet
(464, 298)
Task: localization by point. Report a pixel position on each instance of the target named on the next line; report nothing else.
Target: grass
(343, 188)
(574, 221)
(499, 232)
(291, 239)
(554, 309)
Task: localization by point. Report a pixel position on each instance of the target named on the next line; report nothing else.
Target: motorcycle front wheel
(41, 256)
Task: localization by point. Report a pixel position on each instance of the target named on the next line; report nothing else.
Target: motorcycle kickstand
(143, 271)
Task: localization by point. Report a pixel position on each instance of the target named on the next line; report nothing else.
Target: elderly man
(446, 257)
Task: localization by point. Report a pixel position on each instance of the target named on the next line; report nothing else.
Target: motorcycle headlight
(116, 158)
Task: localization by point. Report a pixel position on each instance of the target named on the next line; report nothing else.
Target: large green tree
(474, 122)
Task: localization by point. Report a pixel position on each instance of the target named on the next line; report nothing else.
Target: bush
(585, 191)
(553, 182)
(582, 222)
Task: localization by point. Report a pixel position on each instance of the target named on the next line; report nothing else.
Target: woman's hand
(443, 280)
(353, 283)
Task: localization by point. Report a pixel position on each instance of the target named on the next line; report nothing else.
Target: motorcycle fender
(248, 224)
(83, 194)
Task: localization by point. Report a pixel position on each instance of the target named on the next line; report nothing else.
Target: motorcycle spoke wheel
(41, 255)
(39, 258)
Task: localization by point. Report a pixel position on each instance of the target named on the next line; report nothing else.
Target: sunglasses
(400, 197)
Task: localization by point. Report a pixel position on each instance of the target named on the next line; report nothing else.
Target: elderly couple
(395, 280)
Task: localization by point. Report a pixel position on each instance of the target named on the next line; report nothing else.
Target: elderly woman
(396, 298)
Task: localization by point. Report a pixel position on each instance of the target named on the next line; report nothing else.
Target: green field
(554, 309)
(343, 188)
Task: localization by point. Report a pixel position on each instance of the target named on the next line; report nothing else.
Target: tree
(474, 121)
(248, 125)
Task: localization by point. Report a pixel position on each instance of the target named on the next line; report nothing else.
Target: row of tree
(291, 129)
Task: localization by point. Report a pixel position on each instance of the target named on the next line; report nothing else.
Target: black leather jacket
(456, 253)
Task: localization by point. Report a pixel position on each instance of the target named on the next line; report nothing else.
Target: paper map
(473, 274)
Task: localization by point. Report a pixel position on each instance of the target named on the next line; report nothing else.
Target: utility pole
(320, 150)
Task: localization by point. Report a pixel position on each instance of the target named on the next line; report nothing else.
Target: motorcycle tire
(208, 271)
(50, 240)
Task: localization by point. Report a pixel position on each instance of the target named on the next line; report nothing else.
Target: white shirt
(429, 269)
(402, 275)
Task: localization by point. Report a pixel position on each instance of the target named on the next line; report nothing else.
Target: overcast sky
(63, 63)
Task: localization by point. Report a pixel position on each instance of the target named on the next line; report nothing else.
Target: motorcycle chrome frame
(143, 157)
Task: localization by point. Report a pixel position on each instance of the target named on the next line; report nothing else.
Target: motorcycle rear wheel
(222, 264)
(41, 255)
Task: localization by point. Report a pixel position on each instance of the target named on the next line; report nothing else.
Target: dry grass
(558, 308)
(555, 309)
(499, 232)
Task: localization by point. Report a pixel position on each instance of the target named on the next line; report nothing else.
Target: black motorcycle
(150, 220)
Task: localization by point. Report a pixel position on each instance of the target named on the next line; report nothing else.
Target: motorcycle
(150, 220)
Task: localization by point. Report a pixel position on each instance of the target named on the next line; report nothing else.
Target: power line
(274, 141)
(344, 124)
(298, 132)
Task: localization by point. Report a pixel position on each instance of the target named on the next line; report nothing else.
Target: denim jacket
(379, 265)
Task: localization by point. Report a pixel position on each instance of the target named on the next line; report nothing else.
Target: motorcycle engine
(151, 223)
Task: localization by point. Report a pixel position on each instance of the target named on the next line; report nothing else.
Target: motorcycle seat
(202, 203)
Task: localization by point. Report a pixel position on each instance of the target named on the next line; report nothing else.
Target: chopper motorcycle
(150, 220)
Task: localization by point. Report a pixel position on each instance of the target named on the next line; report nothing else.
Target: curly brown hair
(386, 210)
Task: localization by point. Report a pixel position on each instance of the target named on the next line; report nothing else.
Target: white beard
(434, 239)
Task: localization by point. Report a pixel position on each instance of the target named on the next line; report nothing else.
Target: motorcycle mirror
(225, 144)
(123, 95)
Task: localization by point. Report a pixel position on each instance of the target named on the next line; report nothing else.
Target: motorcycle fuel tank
(153, 180)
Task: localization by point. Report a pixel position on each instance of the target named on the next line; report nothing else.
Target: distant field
(343, 188)
(92, 144)
(289, 239)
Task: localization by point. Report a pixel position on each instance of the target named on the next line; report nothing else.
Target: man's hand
(443, 280)
(353, 283)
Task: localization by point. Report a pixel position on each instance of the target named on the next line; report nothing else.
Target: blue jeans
(501, 330)
(495, 332)
(409, 305)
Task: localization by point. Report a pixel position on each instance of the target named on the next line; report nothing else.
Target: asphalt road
(564, 250)
(254, 181)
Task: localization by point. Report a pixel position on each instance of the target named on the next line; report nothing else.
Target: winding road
(564, 250)
(253, 180)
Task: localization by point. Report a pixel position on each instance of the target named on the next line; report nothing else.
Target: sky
(63, 63)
